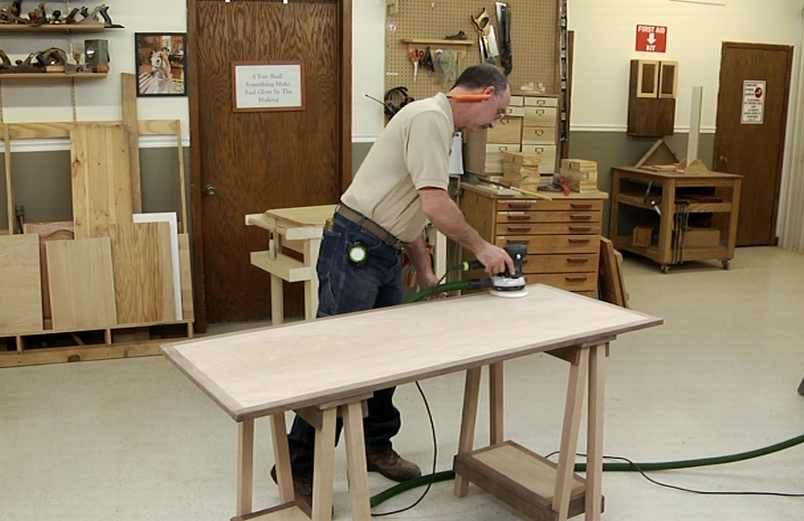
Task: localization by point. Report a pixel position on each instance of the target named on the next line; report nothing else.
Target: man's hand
(495, 259)
(427, 279)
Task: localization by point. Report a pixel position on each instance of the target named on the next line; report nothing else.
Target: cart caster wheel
(725, 264)
(665, 268)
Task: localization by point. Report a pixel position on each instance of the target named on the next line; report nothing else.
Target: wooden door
(249, 162)
(751, 129)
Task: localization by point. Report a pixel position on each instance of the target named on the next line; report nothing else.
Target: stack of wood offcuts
(521, 170)
(109, 266)
(579, 174)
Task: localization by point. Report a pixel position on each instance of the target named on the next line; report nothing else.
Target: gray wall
(41, 182)
(42, 179)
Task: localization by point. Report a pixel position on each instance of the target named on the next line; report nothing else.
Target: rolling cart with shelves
(677, 205)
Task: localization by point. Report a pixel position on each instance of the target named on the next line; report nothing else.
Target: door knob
(723, 159)
(210, 189)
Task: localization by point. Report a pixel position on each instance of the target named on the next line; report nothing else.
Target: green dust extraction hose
(440, 288)
(607, 467)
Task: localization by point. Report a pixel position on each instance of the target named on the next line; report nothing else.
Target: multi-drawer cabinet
(562, 235)
(530, 125)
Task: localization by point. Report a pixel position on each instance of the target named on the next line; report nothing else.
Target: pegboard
(535, 38)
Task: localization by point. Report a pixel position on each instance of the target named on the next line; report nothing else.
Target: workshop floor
(134, 440)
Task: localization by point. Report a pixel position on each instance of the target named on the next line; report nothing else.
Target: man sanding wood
(399, 187)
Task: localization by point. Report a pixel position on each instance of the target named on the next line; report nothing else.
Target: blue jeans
(345, 287)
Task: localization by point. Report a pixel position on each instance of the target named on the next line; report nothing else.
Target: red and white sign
(651, 38)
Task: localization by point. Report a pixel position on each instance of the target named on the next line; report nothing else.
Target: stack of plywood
(580, 174)
(109, 267)
(521, 169)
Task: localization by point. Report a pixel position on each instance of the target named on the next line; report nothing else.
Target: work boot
(391, 465)
(303, 488)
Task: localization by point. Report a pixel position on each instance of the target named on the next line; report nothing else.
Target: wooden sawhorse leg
(589, 368)
(324, 419)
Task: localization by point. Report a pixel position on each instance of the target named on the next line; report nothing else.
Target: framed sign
(267, 86)
(161, 64)
(753, 102)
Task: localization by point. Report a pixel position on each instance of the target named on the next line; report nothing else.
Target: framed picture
(161, 64)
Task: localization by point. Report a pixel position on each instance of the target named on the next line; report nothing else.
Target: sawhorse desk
(333, 364)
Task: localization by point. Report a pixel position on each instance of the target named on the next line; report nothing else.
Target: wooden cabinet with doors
(693, 217)
(562, 235)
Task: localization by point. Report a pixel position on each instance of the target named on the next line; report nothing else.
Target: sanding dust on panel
(101, 178)
(20, 287)
(535, 42)
(143, 272)
(53, 231)
(188, 312)
(81, 283)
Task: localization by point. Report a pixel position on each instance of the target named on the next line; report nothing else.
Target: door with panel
(751, 120)
(251, 161)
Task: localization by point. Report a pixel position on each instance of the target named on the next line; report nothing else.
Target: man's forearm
(448, 218)
(418, 255)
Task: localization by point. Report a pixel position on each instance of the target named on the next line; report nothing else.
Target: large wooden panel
(53, 231)
(81, 283)
(21, 303)
(143, 272)
(101, 178)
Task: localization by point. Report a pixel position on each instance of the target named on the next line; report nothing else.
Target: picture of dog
(157, 80)
(161, 65)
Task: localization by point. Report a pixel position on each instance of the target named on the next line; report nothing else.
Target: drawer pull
(519, 205)
(518, 228)
(577, 260)
(580, 229)
(575, 278)
(578, 241)
(581, 206)
(581, 217)
(519, 217)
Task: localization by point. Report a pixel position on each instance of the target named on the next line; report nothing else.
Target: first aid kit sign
(651, 38)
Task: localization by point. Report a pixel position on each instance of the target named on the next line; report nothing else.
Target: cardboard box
(702, 238)
(642, 236)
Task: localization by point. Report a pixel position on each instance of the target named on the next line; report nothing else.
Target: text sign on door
(651, 38)
(753, 102)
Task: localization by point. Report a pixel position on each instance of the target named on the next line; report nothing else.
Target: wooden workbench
(335, 363)
(665, 201)
(299, 229)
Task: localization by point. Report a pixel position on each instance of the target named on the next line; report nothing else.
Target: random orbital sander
(505, 284)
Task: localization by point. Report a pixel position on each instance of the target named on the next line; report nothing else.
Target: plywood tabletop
(269, 370)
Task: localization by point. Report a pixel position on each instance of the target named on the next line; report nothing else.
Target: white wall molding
(61, 144)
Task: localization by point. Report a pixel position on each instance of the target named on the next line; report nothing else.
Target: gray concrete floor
(128, 440)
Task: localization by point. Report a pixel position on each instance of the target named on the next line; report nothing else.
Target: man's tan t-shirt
(412, 152)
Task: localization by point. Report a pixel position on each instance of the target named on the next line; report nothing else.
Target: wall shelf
(466, 43)
(50, 75)
(56, 28)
